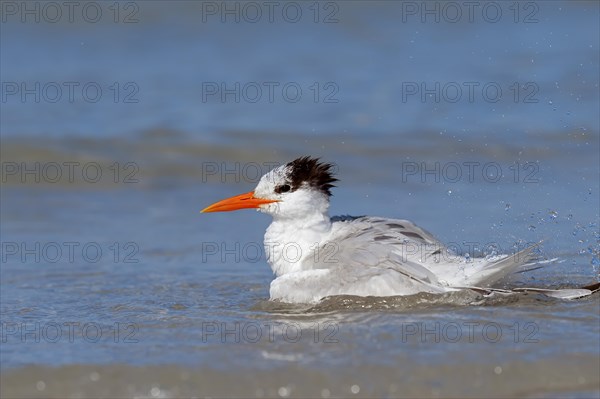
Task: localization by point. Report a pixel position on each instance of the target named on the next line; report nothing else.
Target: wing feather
(371, 247)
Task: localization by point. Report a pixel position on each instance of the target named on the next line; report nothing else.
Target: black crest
(316, 174)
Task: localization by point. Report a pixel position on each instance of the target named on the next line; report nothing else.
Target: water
(114, 285)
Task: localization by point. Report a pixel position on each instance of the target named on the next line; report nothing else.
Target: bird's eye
(284, 188)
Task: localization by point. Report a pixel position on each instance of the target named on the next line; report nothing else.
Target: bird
(314, 256)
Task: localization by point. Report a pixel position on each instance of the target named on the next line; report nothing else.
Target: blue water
(371, 57)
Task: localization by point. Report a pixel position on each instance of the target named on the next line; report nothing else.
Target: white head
(291, 191)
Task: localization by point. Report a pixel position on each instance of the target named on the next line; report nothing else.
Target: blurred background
(119, 121)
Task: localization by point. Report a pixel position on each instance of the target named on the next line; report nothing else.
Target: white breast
(292, 245)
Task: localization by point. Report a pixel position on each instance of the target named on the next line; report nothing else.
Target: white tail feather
(488, 273)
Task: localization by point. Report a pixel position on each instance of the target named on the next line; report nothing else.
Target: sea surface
(115, 133)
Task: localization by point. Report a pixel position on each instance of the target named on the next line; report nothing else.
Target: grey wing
(385, 228)
(404, 236)
(370, 246)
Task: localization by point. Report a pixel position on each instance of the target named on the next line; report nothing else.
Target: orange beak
(242, 201)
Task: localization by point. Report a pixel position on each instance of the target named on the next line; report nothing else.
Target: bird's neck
(290, 244)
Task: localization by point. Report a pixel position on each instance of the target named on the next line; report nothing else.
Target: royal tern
(314, 256)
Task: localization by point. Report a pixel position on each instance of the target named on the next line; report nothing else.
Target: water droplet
(553, 214)
(284, 392)
(507, 207)
(531, 227)
(498, 370)
(355, 389)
